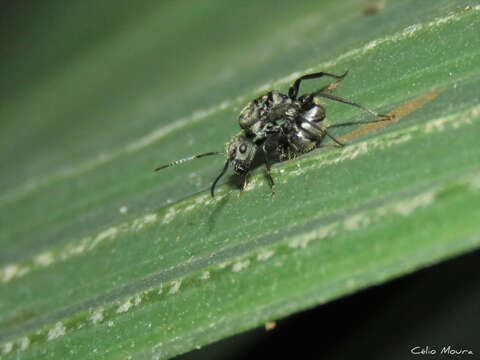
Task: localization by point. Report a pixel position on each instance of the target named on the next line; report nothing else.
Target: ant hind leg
(293, 91)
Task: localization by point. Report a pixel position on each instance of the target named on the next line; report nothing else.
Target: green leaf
(103, 258)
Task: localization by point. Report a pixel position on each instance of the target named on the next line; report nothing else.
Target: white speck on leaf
(7, 347)
(24, 343)
(239, 266)
(125, 306)
(44, 259)
(406, 207)
(97, 316)
(9, 272)
(57, 331)
(175, 287)
(109, 233)
(205, 275)
(168, 217)
(265, 255)
(354, 222)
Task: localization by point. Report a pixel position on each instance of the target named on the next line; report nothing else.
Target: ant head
(241, 152)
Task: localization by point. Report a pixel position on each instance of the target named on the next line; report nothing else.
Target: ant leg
(244, 185)
(348, 102)
(270, 144)
(385, 118)
(335, 140)
(330, 88)
(293, 91)
(269, 169)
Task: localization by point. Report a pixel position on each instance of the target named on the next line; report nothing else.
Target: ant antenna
(212, 190)
(181, 161)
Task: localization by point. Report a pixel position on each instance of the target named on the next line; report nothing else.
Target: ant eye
(242, 148)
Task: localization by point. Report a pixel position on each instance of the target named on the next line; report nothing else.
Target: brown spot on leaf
(395, 115)
(270, 325)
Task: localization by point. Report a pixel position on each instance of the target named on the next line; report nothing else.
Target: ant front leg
(244, 185)
(268, 166)
(293, 91)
